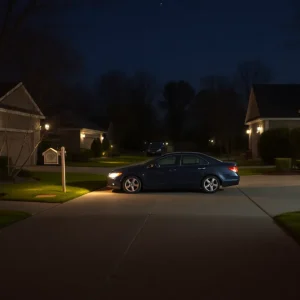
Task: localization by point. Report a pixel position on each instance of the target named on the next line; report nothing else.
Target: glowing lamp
(47, 126)
(259, 129)
(83, 135)
(248, 131)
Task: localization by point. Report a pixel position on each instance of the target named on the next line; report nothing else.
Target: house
(271, 106)
(20, 129)
(74, 132)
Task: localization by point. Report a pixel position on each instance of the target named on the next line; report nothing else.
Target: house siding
(252, 111)
(284, 124)
(20, 99)
(8, 120)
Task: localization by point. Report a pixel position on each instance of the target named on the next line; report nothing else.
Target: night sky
(183, 39)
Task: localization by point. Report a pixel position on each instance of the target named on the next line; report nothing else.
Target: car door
(161, 172)
(191, 170)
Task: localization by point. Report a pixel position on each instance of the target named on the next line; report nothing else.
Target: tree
(128, 103)
(252, 72)
(220, 112)
(96, 147)
(178, 95)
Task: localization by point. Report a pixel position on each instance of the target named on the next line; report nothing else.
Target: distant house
(74, 132)
(19, 124)
(271, 106)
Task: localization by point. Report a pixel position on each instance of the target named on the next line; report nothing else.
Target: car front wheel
(132, 185)
(210, 184)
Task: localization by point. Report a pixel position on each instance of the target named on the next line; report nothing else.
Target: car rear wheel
(210, 184)
(132, 185)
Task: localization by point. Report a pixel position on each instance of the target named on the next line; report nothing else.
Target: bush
(105, 144)
(274, 143)
(3, 162)
(96, 148)
(283, 164)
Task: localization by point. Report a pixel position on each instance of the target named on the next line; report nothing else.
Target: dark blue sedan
(184, 170)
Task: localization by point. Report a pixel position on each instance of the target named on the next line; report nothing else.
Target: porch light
(248, 131)
(167, 143)
(102, 138)
(259, 129)
(82, 135)
(47, 126)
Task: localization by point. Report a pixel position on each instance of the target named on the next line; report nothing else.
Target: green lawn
(50, 184)
(110, 162)
(291, 222)
(8, 217)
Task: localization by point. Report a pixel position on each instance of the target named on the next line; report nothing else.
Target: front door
(191, 171)
(162, 174)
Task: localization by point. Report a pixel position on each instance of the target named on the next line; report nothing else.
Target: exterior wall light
(259, 129)
(101, 138)
(82, 135)
(47, 127)
(248, 131)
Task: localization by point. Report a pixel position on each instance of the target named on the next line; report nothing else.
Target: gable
(252, 110)
(18, 99)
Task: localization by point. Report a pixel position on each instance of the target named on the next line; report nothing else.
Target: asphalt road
(150, 246)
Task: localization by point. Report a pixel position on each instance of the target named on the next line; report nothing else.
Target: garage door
(16, 151)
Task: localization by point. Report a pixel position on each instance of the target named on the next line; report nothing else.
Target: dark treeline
(209, 117)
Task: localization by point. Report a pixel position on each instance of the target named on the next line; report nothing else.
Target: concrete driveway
(151, 246)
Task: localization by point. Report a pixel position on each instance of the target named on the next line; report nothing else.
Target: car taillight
(233, 169)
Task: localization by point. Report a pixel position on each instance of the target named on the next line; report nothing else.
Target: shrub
(3, 162)
(283, 164)
(96, 148)
(274, 143)
(105, 144)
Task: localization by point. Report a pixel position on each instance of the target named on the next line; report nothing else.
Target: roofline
(16, 130)
(11, 91)
(16, 112)
(271, 119)
(20, 84)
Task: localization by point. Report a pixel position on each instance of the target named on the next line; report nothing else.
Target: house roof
(69, 119)
(278, 100)
(6, 88)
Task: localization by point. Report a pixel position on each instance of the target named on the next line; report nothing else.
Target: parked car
(156, 148)
(176, 170)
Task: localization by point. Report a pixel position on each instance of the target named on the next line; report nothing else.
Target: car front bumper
(114, 183)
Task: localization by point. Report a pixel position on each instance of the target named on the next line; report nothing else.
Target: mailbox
(51, 157)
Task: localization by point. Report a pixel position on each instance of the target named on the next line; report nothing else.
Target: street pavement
(155, 245)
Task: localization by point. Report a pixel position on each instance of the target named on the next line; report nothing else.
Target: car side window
(190, 160)
(167, 161)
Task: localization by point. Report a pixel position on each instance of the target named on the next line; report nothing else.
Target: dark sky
(183, 39)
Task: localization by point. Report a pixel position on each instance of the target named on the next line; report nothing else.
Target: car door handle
(201, 168)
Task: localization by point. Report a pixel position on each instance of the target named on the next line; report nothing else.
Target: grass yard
(110, 162)
(291, 222)
(78, 184)
(8, 217)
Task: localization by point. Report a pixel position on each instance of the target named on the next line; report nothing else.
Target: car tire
(210, 184)
(131, 185)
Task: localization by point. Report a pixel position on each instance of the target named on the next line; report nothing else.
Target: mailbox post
(63, 169)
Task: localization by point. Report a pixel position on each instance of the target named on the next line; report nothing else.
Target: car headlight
(114, 175)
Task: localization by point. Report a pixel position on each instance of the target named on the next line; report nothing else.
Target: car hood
(129, 168)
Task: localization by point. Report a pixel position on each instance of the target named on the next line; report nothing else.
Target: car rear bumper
(230, 182)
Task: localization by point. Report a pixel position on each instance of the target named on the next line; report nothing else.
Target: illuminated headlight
(114, 175)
